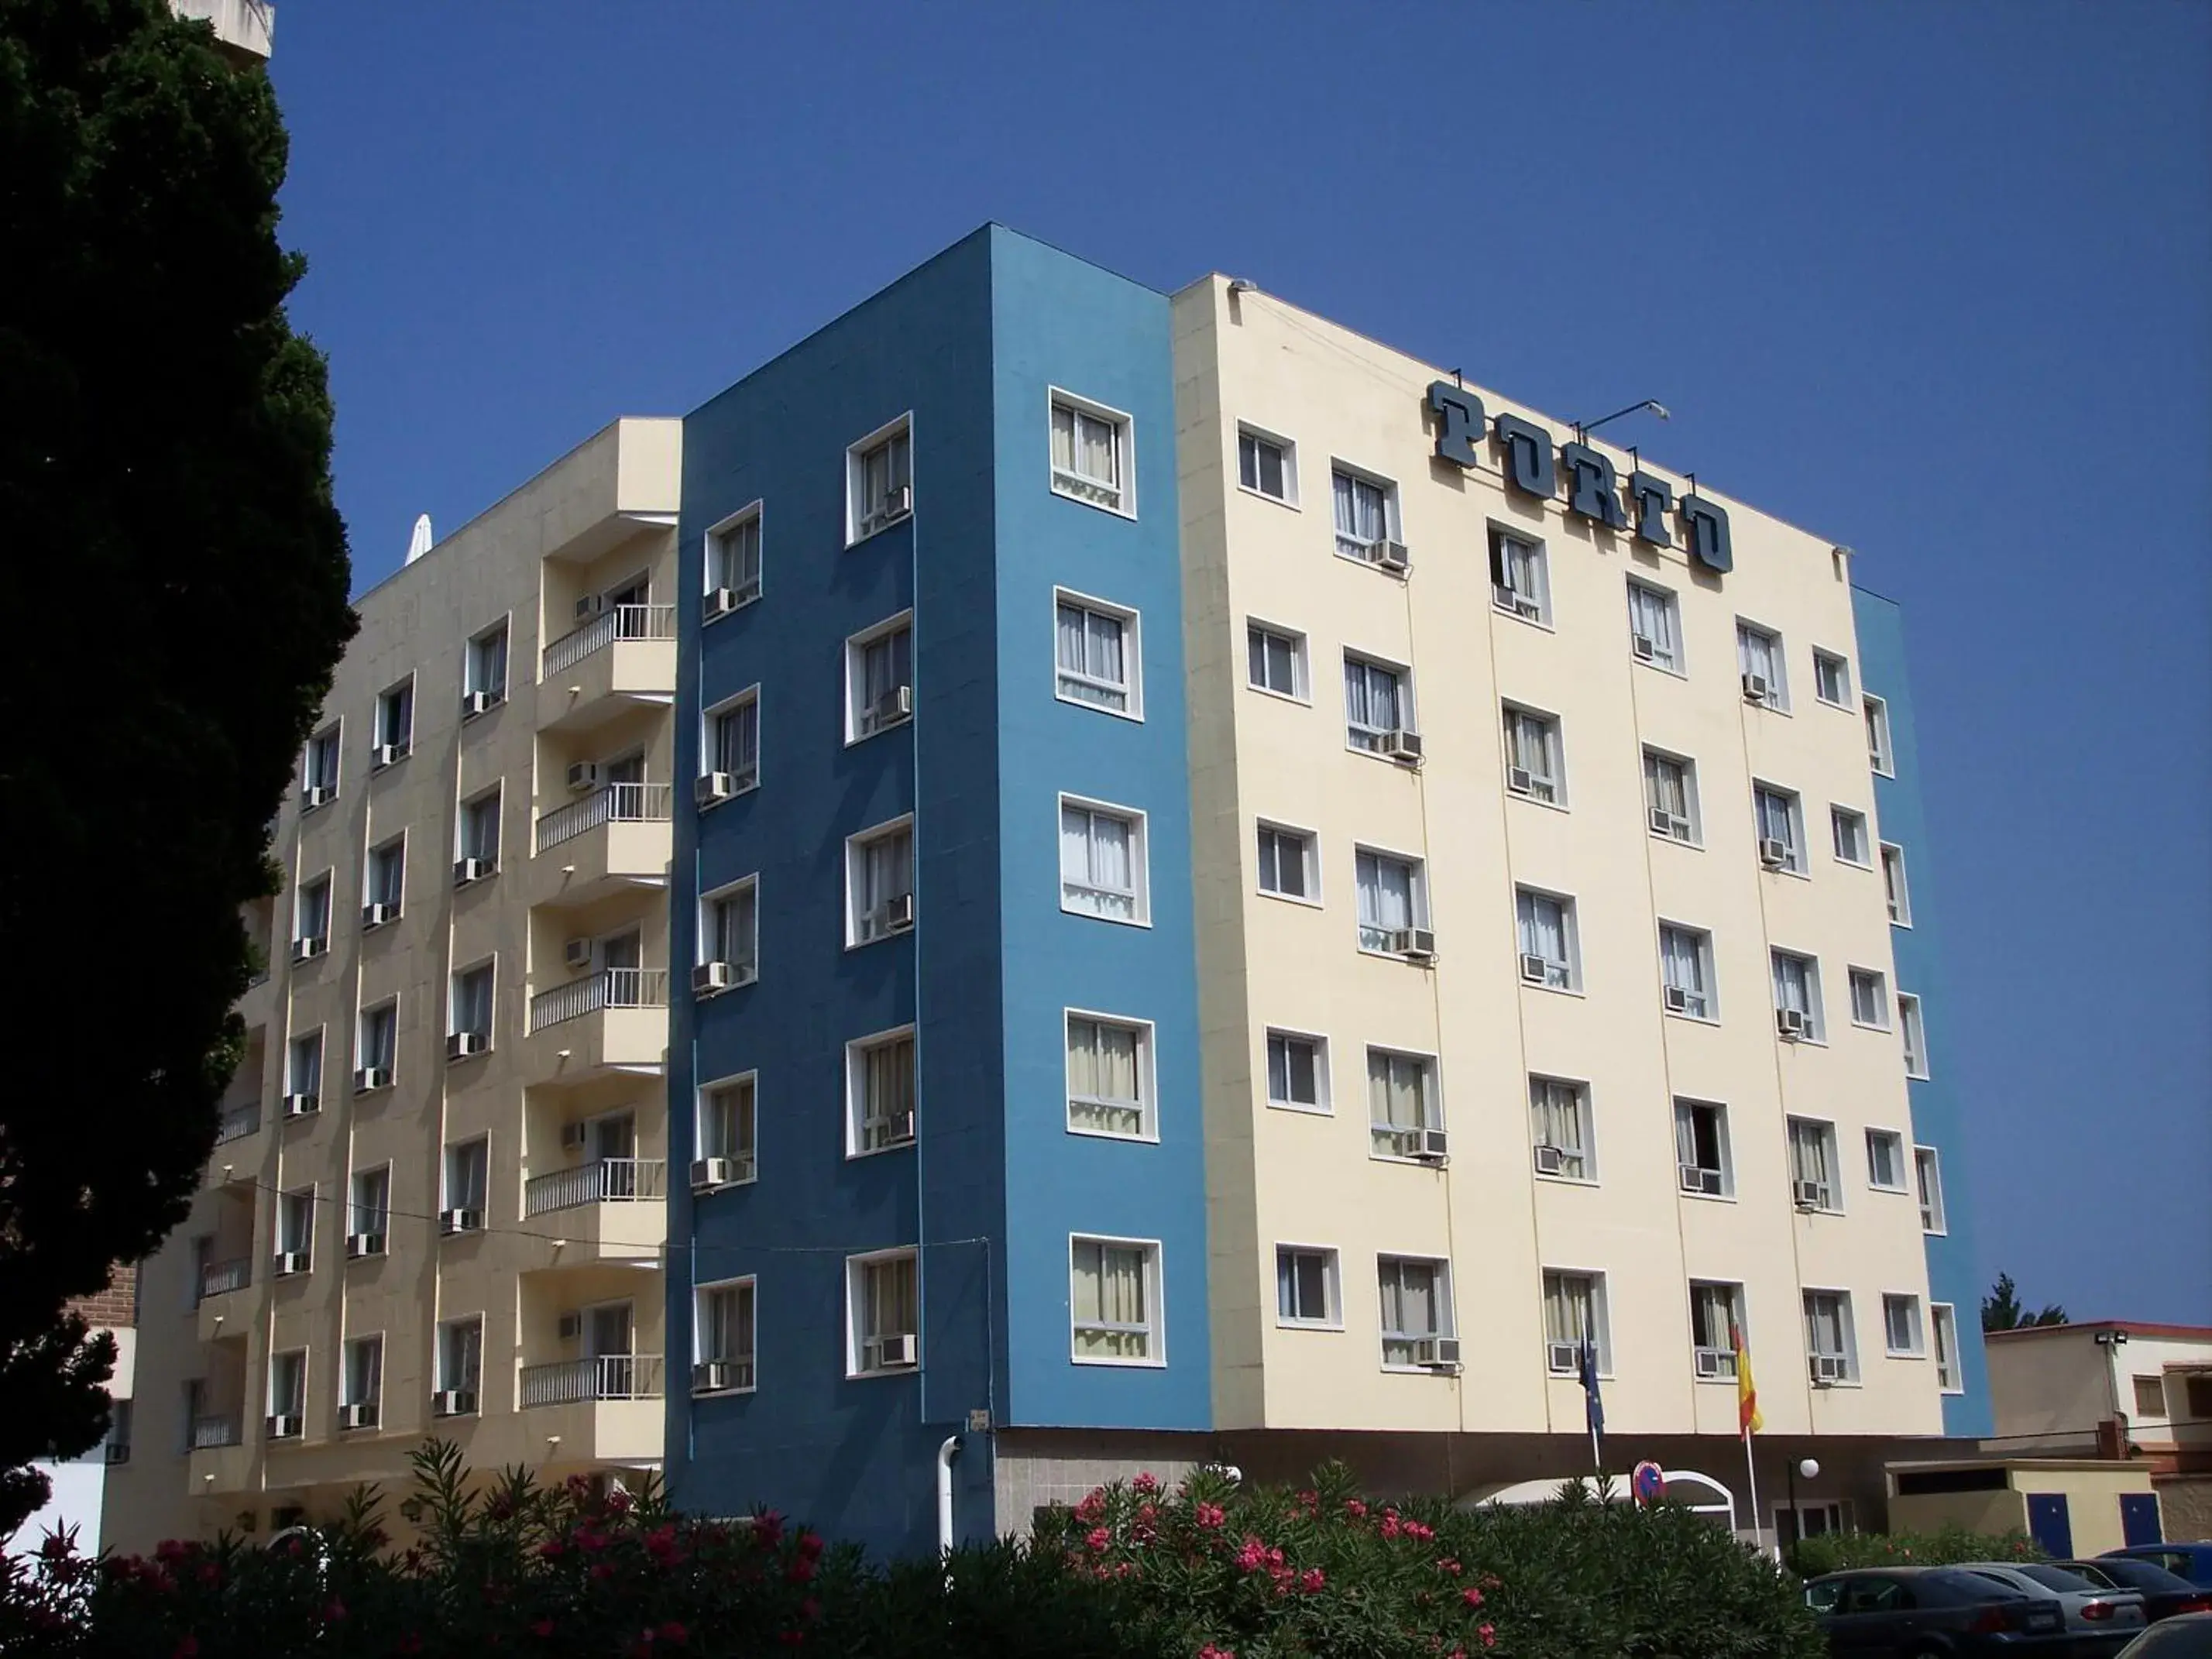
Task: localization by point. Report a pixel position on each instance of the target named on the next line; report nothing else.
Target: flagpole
(1751, 1480)
(1597, 1456)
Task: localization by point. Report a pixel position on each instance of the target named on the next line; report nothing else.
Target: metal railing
(604, 1376)
(220, 1276)
(238, 1123)
(609, 1181)
(611, 987)
(624, 622)
(610, 803)
(211, 1431)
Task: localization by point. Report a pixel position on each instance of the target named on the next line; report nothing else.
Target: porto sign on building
(1593, 487)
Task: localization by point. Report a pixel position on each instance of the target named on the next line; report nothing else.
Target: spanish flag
(1747, 1393)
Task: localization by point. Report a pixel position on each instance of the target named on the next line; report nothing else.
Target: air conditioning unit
(720, 601)
(894, 706)
(454, 1403)
(463, 1045)
(1431, 1146)
(710, 977)
(361, 1414)
(577, 953)
(1520, 779)
(313, 945)
(468, 869)
(461, 1221)
(896, 914)
(363, 1244)
(569, 1326)
(376, 915)
(1534, 969)
(1774, 854)
(898, 1129)
(898, 1350)
(291, 1261)
(897, 503)
(1789, 1024)
(1436, 1353)
(1391, 556)
(1755, 688)
(709, 1172)
(713, 1377)
(583, 777)
(1642, 646)
(1828, 1370)
(1697, 1179)
(371, 1077)
(1664, 822)
(1714, 1363)
(284, 1426)
(314, 795)
(1414, 943)
(590, 606)
(1503, 597)
(119, 1451)
(304, 1104)
(1809, 1194)
(385, 754)
(574, 1137)
(1404, 747)
(1564, 1359)
(1677, 1000)
(1528, 608)
(710, 788)
(1550, 1160)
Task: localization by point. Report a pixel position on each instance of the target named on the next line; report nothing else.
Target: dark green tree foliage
(2002, 1309)
(177, 577)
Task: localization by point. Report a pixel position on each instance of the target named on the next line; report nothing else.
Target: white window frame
(291, 1363)
(1693, 817)
(1402, 696)
(1139, 861)
(1301, 690)
(1600, 1322)
(1260, 434)
(1148, 1102)
(1506, 597)
(473, 678)
(487, 966)
(1671, 603)
(1332, 1288)
(1726, 1165)
(856, 657)
(468, 815)
(1882, 747)
(710, 719)
(1417, 902)
(1935, 1217)
(712, 565)
(1821, 1134)
(1738, 1325)
(1896, 885)
(327, 740)
(452, 1159)
(393, 849)
(1912, 1035)
(856, 456)
(452, 1343)
(1823, 659)
(1876, 981)
(1777, 661)
(350, 1392)
(748, 1286)
(1847, 1328)
(1323, 1104)
(379, 735)
(1815, 1012)
(1950, 1373)
(857, 1052)
(358, 1211)
(1118, 497)
(1701, 939)
(856, 1339)
(293, 1076)
(1393, 528)
(708, 925)
(295, 1221)
(1308, 842)
(702, 1112)
(862, 930)
(1447, 1311)
(1838, 817)
(361, 1035)
(1570, 936)
(1155, 1325)
(1899, 1161)
(1384, 1140)
(1585, 1122)
(1916, 1346)
(1553, 731)
(1131, 687)
(326, 881)
(1799, 862)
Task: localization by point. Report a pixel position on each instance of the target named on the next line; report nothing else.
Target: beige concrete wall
(600, 515)
(1275, 1175)
(1992, 1512)
(2058, 1382)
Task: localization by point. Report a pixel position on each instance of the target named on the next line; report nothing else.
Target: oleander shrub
(1832, 1552)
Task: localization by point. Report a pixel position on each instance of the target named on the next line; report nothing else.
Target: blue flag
(1592, 1404)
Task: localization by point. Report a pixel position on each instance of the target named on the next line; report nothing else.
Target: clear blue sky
(1935, 280)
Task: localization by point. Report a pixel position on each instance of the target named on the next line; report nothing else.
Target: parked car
(2101, 1620)
(2189, 1561)
(2188, 1636)
(2164, 1593)
(1933, 1612)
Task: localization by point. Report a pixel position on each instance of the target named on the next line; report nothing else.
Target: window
(880, 1092)
(1115, 1293)
(1797, 997)
(369, 1214)
(1549, 954)
(1829, 1344)
(1533, 757)
(1900, 1326)
(1405, 1117)
(395, 725)
(1109, 1078)
(1849, 831)
(1716, 1316)
(880, 679)
(1394, 901)
(879, 882)
(373, 1046)
(1574, 1313)
(1928, 1181)
(882, 1313)
(733, 744)
(1879, 755)
(729, 930)
(295, 1230)
(1276, 661)
(479, 833)
(1560, 1116)
(1101, 861)
(460, 1357)
(1290, 863)
(1779, 824)
(483, 672)
(468, 1174)
(1813, 1184)
(1914, 1035)
(1416, 1309)
(303, 1066)
(471, 1005)
(319, 769)
(879, 480)
(1893, 888)
(1306, 1290)
(1297, 1071)
(1670, 796)
(311, 916)
(1091, 454)
(288, 1393)
(722, 1337)
(1701, 1149)
(1366, 509)
(1518, 583)
(387, 882)
(1377, 704)
(734, 563)
(2150, 1396)
(1654, 627)
(2196, 1392)
(1869, 999)
(1758, 654)
(1097, 656)
(1885, 1160)
(1831, 678)
(1685, 971)
(726, 1126)
(1943, 1326)
(1268, 465)
(364, 1381)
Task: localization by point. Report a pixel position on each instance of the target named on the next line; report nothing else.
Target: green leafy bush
(1832, 1552)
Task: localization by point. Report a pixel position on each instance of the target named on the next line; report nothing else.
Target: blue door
(2139, 1518)
(2048, 1525)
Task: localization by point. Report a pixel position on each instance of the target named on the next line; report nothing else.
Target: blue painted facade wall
(1954, 1268)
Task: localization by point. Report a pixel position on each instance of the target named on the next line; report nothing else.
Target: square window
(729, 748)
(311, 916)
(1574, 1315)
(1266, 464)
(1701, 1149)
(1519, 583)
(729, 938)
(1655, 630)
(880, 679)
(722, 1338)
(1943, 1326)
(1110, 1078)
(1900, 1326)
(288, 1393)
(460, 1359)
(483, 672)
(1297, 1071)
(1551, 955)
(879, 1091)
(726, 1131)
(1812, 1184)
(385, 883)
(879, 882)
(879, 480)
(1928, 1181)
(882, 1309)
(1716, 1325)
(1869, 999)
(1366, 516)
(1096, 655)
(1894, 888)
(1879, 755)
(1102, 862)
(1670, 797)
(1114, 1296)
(374, 1045)
(2149, 1397)
(1276, 661)
(1404, 1113)
(468, 1177)
(1379, 708)
(1831, 678)
(1830, 1343)
(1779, 823)
(1849, 830)
(1797, 1012)
(470, 1008)
(1394, 903)
(1306, 1290)
(1559, 1114)
(1685, 971)
(1885, 1160)
(734, 563)
(1415, 1293)
(319, 769)
(1289, 863)
(395, 725)
(1093, 460)
(369, 1218)
(1913, 1034)
(1760, 657)
(364, 1381)
(479, 836)
(1535, 766)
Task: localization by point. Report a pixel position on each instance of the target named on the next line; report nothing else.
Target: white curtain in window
(1686, 1138)
(1683, 963)
(1543, 928)
(886, 869)
(884, 666)
(1104, 1085)
(1824, 1325)
(1557, 1110)
(1370, 697)
(737, 738)
(1096, 869)
(888, 1081)
(1109, 1304)
(1409, 1299)
(1792, 989)
(1397, 1090)
(1530, 741)
(1361, 509)
(1566, 1308)
(733, 928)
(1667, 786)
(1650, 614)
(1090, 650)
(1386, 893)
(889, 1301)
(1755, 654)
(1808, 1153)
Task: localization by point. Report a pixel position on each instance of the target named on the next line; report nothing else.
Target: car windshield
(2056, 1579)
(2134, 1575)
(2174, 1639)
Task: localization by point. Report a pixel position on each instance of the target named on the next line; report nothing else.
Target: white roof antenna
(419, 542)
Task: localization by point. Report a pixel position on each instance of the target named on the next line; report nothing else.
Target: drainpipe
(945, 1454)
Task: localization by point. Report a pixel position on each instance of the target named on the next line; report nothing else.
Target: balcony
(238, 1123)
(210, 1433)
(604, 1376)
(617, 837)
(609, 1180)
(615, 1020)
(224, 1308)
(622, 659)
(218, 1277)
(609, 1211)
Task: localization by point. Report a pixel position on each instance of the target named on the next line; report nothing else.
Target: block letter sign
(1705, 526)
(1528, 455)
(1593, 491)
(1655, 500)
(1459, 424)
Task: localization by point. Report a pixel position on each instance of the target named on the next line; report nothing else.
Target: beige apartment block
(437, 1202)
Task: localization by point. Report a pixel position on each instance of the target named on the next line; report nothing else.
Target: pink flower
(552, 1547)
(1489, 1635)
(810, 1608)
(1312, 1581)
(1211, 1515)
(1449, 1564)
(334, 1612)
(210, 1573)
(810, 1545)
(1253, 1556)
(1355, 1508)
(1310, 1498)
(800, 1570)
(1091, 1508)
(673, 1630)
(602, 1573)
(768, 1528)
(1098, 1538)
(1389, 1529)
(169, 1549)
(1416, 1530)
(1209, 1651)
(542, 1627)
(1472, 1597)
(1145, 1482)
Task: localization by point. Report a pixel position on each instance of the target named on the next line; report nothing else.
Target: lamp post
(1810, 1468)
(1583, 429)
(2112, 1341)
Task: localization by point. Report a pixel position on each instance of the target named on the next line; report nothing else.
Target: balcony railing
(604, 1376)
(611, 987)
(609, 1180)
(238, 1123)
(610, 803)
(624, 622)
(220, 1276)
(211, 1431)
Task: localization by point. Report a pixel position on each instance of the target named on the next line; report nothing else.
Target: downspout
(945, 1454)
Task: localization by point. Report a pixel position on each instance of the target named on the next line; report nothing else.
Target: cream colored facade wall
(2092, 1490)
(599, 518)
(1279, 1176)
(2056, 1383)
